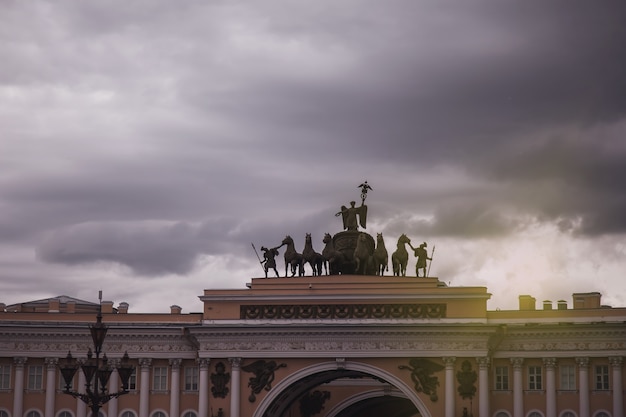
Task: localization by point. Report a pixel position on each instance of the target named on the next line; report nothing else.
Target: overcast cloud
(145, 144)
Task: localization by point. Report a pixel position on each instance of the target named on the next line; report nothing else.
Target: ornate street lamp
(97, 371)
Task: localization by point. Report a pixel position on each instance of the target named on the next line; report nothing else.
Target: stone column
(18, 393)
(618, 393)
(203, 387)
(235, 392)
(483, 386)
(583, 388)
(51, 367)
(550, 365)
(144, 393)
(449, 388)
(114, 386)
(518, 387)
(175, 388)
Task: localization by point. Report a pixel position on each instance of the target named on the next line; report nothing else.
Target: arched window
(159, 414)
(534, 414)
(568, 414)
(4, 413)
(128, 413)
(601, 414)
(502, 414)
(33, 413)
(190, 414)
(65, 413)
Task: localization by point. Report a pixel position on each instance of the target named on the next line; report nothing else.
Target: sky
(144, 145)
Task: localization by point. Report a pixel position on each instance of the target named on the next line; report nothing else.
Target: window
(568, 414)
(534, 378)
(4, 413)
(502, 414)
(567, 378)
(191, 378)
(601, 414)
(128, 414)
(34, 413)
(502, 377)
(5, 377)
(602, 377)
(158, 414)
(535, 413)
(159, 378)
(65, 414)
(190, 414)
(35, 378)
(132, 383)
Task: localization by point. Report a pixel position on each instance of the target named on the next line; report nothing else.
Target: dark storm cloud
(152, 134)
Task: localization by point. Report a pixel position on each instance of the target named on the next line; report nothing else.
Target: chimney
(547, 305)
(586, 300)
(175, 309)
(107, 307)
(54, 305)
(122, 308)
(526, 302)
(561, 305)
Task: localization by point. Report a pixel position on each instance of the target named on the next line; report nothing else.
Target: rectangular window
(567, 377)
(35, 377)
(5, 376)
(602, 377)
(502, 377)
(534, 378)
(191, 378)
(159, 378)
(132, 381)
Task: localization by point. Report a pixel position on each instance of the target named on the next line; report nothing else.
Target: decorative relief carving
(343, 311)
(549, 363)
(263, 376)
(339, 345)
(220, 380)
(616, 361)
(422, 371)
(466, 378)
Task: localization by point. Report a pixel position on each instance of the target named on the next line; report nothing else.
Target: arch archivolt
(401, 388)
(360, 397)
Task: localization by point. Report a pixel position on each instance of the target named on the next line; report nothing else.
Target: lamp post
(97, 371)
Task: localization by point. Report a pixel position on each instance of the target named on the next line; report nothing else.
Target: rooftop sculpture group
(350, 251)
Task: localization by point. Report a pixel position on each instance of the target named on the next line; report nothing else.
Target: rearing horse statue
(292, 258)
(400, 257)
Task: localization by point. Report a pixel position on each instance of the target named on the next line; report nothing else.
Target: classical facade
(327, 346)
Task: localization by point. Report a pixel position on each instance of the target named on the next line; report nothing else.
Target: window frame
(501, 379)
(35, 378)
(535, 378)
(567, 380)
(160, 378)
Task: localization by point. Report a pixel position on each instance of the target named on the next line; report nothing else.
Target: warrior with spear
(268, 261)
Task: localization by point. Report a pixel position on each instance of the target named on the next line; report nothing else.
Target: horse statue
(292, 258)
(362, 257)
(400, 257)
(333, 257)
(381, 258)
(316, 260)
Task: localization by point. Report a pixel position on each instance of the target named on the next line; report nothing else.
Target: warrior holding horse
(400, 257)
